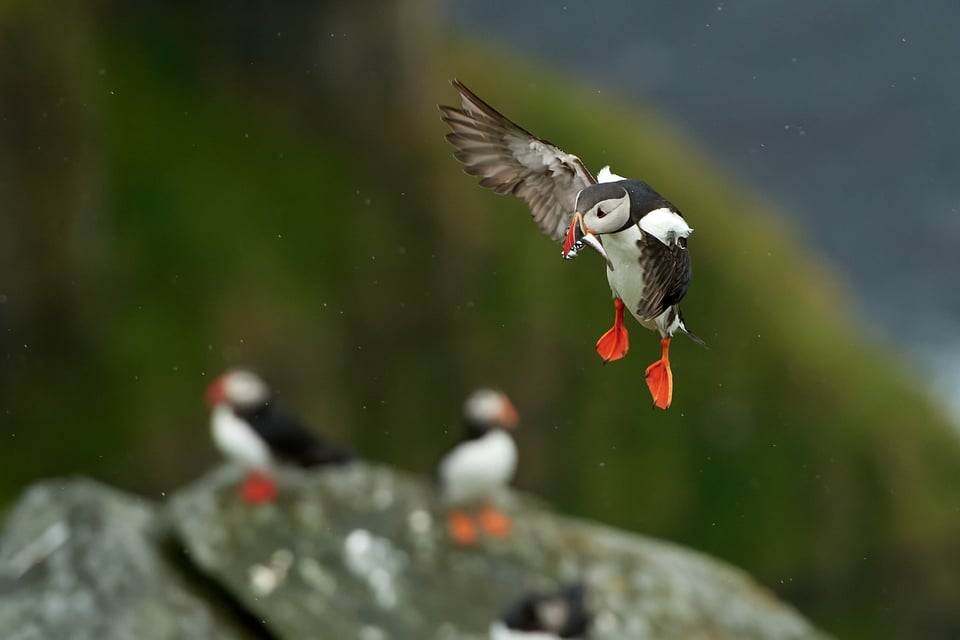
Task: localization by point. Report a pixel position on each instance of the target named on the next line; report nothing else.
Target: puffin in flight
(641, 236)
(482, 462)
(250, 427)
(558, 615)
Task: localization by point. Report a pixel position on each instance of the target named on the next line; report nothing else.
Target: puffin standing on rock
(251, 428)
(641, 236)
(561, 614)
(481, 463)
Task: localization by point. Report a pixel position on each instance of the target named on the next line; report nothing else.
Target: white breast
(500, 631)
(237, 440)
(626, 279)
(476, 468)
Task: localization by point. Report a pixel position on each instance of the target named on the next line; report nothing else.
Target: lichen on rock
(367, 554)
(83, 561)
(354, 552)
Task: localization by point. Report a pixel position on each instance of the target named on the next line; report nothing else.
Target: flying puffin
(476, 467)
(546, 616)
(642, 237)
(251, 428)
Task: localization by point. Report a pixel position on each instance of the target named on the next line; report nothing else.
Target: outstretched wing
(508, 159)
(666, 274)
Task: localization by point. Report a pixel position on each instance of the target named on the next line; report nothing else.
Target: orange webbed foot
(258, 488)
(660, 378)
(615, 343)
(462, 528)
(495, 524)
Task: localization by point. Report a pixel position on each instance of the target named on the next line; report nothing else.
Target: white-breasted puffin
(640, 234)
(482, 462)
(250, 427)
(561, 614)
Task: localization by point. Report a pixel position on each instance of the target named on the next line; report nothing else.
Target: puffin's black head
(240, 389)
(562, 613)
(487, 409)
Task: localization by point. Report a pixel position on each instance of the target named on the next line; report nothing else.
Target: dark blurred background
(185, 188)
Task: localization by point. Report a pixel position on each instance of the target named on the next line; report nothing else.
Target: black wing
(508, 159)
(666, 274)
(290, 440)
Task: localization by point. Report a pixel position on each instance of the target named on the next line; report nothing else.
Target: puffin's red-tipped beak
(574, 240)
(508, 418)
(216, 392)
(577, 236)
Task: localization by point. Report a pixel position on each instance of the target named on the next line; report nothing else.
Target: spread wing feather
(508, 159)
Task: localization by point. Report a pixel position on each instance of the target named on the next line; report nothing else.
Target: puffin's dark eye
(601, 213)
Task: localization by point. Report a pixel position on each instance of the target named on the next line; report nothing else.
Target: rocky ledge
(358, 552)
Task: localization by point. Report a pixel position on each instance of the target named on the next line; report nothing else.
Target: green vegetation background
(186, 189)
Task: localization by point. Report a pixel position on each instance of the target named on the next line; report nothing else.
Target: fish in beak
(577, 236)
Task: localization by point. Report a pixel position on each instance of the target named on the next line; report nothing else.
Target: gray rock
(79, 560)
(359, 552)
(362, 552)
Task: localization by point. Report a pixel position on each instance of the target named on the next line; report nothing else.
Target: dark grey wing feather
(508, 159)
(292, 440)
(666, 274)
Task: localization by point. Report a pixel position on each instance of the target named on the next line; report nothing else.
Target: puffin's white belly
(474, 469)
(237, 440)
(626, 280)
(500, 631)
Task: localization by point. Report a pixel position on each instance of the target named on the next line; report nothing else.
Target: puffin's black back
(290, 440)
(644, 199)
(528, 613)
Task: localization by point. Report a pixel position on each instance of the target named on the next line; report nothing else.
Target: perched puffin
(476, 467)
(251, 428)
(642, 237)
(546, 616)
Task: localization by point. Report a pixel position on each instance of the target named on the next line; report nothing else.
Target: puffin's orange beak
(577, 236)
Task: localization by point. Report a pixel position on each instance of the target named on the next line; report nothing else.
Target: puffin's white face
(244, 388)
(491, 407)
(238, 388)
(601, 208)
(553, 613)
(606, 216)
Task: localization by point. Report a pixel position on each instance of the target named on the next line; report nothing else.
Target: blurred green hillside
(184, 189)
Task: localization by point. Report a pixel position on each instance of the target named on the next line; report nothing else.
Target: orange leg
(615, 343)
(495, 524)
(258, 488)
(462, 528)
(660, 378)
